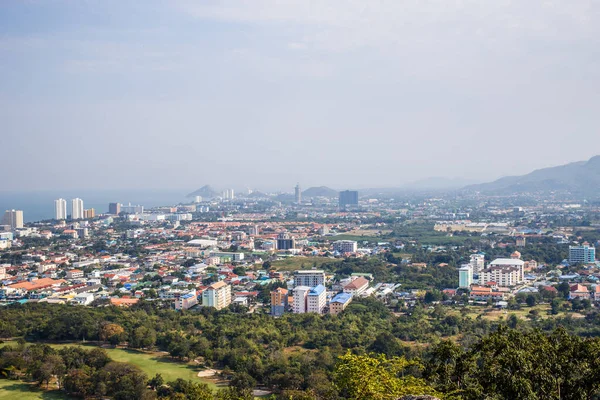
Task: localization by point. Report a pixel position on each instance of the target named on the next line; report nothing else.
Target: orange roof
(357, 283)
(217, 285)
(37, 284)
(123, 301)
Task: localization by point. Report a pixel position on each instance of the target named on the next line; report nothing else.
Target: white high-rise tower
(77, 209)
(60, 209)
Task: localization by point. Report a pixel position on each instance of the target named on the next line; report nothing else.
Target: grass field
(151, 363)
(294, 263)
(23, 391)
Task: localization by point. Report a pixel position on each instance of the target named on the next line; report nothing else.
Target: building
(505, 276)
(77, 209)
(339, 303)
(84, 299)
(357, 286)
(511, 262)
(89, 213)
(300, 295)
(13, 218)
(132, 209)
(348, 198)
(74, 274)
(114, 208)
(578, 291)
(285, 242)
(60, 209)
(217, 295)
(316, 299)
(465, 276)
(584, 254)
(477, 262)
(345, 246)
(310, 278)
(279, 302)
(187, 300)
(521, 241)
(226, 255)
(298, 194)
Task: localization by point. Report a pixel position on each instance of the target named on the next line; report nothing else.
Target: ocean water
(39, 205)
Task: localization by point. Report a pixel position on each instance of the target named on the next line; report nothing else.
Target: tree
(112, 332)
(377, 377)
(530, 300)
(156, 382)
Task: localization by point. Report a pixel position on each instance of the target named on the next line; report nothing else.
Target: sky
(176, 94)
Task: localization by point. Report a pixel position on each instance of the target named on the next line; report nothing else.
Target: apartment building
(217, 295)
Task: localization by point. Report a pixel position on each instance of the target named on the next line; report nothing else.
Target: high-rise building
(217, 295)
(584, 254)
(60, 209)
(521, 241)
(279, 301)
(14, 218)
(348, 198)
(477, 262)
(285, 242)
(298, 193)
(89, 213)
(300, 295)
(114, 208)
(465, 276)
(310, 278)
(77, 209)
(316, 299)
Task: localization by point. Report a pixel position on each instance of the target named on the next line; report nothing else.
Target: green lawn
(294, 263)
(151, 364)
(10, 389)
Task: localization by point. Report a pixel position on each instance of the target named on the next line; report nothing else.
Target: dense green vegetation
(297, 353)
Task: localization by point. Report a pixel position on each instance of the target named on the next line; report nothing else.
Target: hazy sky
(265, 93)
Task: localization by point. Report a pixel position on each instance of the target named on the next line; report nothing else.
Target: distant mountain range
(579, 178)
(319, 191)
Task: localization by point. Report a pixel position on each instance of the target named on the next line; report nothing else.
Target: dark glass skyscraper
(348, 198)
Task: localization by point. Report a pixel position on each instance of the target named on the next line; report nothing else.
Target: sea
(39, 205)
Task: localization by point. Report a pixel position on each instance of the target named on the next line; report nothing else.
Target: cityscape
(299, 200)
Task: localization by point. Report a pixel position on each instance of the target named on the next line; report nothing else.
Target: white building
(84, 299)
(503, 276)
(217, 295)
(357, 286)
(345, 246)
(465, 276)
(310, 278)
(316, 299)
(510, 262)
(132, 209)
(477, 262)
(300, 295)
(187, 300)
(14, 218)
(60, 209)
(77, 209)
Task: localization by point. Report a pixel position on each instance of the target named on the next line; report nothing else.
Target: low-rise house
(339, 303)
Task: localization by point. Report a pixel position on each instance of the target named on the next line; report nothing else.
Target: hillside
(319, 191)
(580, 178)
(205, 191)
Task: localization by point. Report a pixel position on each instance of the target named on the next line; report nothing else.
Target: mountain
(438, 183)
(580, 178)
(205, 191)
(319, 191)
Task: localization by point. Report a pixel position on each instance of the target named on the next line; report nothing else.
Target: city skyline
(430, 88)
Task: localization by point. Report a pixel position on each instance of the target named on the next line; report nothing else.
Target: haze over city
(178, 94)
